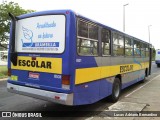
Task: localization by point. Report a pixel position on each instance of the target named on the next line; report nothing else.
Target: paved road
(14, 102)
(154, 67)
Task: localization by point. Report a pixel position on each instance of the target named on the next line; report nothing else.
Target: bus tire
(158, 65)
(116, 89)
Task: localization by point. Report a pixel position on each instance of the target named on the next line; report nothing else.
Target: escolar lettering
(37, 64)
(126, 68)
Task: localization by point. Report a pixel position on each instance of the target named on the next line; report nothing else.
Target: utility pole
(124, 16)
(149, 32)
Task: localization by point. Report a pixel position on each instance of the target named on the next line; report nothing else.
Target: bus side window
(87, 39)
(93, 31)
(118, 44)
(82, 29)
(128, 46)
(137, 48)
(105, 36)
(143, 50)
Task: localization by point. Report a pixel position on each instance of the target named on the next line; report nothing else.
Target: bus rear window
(41, 34)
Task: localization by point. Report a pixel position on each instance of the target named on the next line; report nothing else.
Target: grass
(3, 71)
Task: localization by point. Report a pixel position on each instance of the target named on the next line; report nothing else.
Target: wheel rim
(116, 90)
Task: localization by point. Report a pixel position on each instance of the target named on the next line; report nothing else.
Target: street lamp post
(124, 16)
(150, 49)
(149, 32)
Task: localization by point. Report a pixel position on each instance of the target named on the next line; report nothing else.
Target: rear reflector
(66, 80)
(9, 72)
(57, 97)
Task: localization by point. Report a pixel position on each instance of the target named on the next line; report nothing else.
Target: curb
(3, 79)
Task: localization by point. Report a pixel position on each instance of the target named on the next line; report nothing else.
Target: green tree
(5, 20)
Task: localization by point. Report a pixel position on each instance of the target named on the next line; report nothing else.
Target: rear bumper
(62, 98)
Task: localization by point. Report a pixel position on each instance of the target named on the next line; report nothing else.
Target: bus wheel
(116, 89)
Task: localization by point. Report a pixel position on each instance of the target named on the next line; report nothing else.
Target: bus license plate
(33, 75)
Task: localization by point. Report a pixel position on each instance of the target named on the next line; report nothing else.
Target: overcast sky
(139, 14)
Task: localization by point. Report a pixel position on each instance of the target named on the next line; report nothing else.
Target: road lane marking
(141, 86)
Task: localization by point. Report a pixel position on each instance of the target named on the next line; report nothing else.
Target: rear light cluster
(56, 97)
(66, 81)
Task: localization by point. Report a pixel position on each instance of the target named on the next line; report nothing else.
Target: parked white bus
(157, 58)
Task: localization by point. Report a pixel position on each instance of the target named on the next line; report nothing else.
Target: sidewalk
(145, 98)
(3, 79)
(3, 63)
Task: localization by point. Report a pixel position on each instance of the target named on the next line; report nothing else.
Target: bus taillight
(66, 80)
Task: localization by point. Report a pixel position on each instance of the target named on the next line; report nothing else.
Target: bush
(3, 71)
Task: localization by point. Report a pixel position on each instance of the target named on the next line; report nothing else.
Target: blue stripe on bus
(84, 62)
(87, 95)
(48, 12)
(42, 44)
(91, 92)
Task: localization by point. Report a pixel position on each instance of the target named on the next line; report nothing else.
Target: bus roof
(50, 12)
(106, 26)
